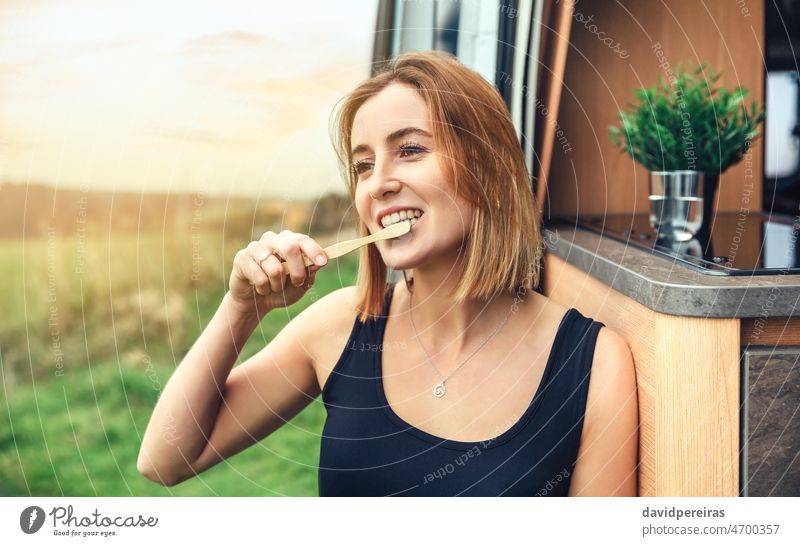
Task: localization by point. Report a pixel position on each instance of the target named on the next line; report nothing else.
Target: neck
(448, 328)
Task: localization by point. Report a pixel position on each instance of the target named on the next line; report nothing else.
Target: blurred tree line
(30, 210)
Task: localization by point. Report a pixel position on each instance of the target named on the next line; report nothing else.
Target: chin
(399, 265)
(399, 262)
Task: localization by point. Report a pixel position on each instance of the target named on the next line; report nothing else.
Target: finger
(314, 251)
(261, 254)
(242, 268)
(258, 277)
(312, 276)
(249, 270)
(291, 251)
(274, 270)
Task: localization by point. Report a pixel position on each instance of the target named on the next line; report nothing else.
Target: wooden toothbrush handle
(333, 251)
(344, 247)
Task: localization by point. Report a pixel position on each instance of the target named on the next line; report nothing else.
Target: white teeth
(410, 214)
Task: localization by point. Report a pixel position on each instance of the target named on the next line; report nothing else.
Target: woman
(461, 380)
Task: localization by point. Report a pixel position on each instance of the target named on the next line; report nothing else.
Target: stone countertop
(669, 286)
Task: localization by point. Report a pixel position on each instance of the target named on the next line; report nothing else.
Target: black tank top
(368, 450)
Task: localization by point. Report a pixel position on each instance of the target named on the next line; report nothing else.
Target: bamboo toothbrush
(344, 247)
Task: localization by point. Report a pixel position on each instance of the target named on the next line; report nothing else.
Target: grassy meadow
(90, 331)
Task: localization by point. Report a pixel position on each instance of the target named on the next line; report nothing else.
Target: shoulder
(608, 453)
(332, 306)
(329, 320)
(332, 309)
(612, 351)
(612, 365)
(612, 385)
(345, 294)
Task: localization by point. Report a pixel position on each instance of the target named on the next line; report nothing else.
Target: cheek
(439, 168)
(463, 221)
(362, 204)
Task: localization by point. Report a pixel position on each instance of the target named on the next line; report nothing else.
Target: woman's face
(395, 160)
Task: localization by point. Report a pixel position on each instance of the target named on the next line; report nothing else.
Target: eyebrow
(400, 133)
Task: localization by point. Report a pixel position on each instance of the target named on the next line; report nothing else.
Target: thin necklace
(439, 389)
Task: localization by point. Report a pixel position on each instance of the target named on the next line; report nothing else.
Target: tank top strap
(568, 382)
(373, 327)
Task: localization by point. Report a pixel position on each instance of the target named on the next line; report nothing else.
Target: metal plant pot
(676, 203)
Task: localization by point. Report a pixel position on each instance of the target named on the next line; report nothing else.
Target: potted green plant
(687, 132)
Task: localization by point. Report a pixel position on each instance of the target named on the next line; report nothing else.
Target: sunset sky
(224, 97)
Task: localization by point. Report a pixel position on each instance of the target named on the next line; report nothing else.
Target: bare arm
(187, 408)
(608, 453)
(208, 412)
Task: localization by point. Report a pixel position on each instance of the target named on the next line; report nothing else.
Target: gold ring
(271, 252)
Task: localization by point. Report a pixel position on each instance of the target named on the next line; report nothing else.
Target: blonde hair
(472, 129)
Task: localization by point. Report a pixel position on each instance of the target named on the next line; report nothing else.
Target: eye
(410, 148)
(405, 150)
(362, 166)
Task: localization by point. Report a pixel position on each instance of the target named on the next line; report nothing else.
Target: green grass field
(72, 425)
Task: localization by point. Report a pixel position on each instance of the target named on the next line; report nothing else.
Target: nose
(384, 187)
(383, 181)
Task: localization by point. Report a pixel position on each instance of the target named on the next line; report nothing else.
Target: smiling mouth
(386, 221)
(407, 236)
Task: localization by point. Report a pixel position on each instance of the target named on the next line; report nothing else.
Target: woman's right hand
(258, 285)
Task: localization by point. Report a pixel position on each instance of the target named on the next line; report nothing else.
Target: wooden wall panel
(589, 175)
(771, 331)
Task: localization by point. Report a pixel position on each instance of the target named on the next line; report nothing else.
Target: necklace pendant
(439, 390)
